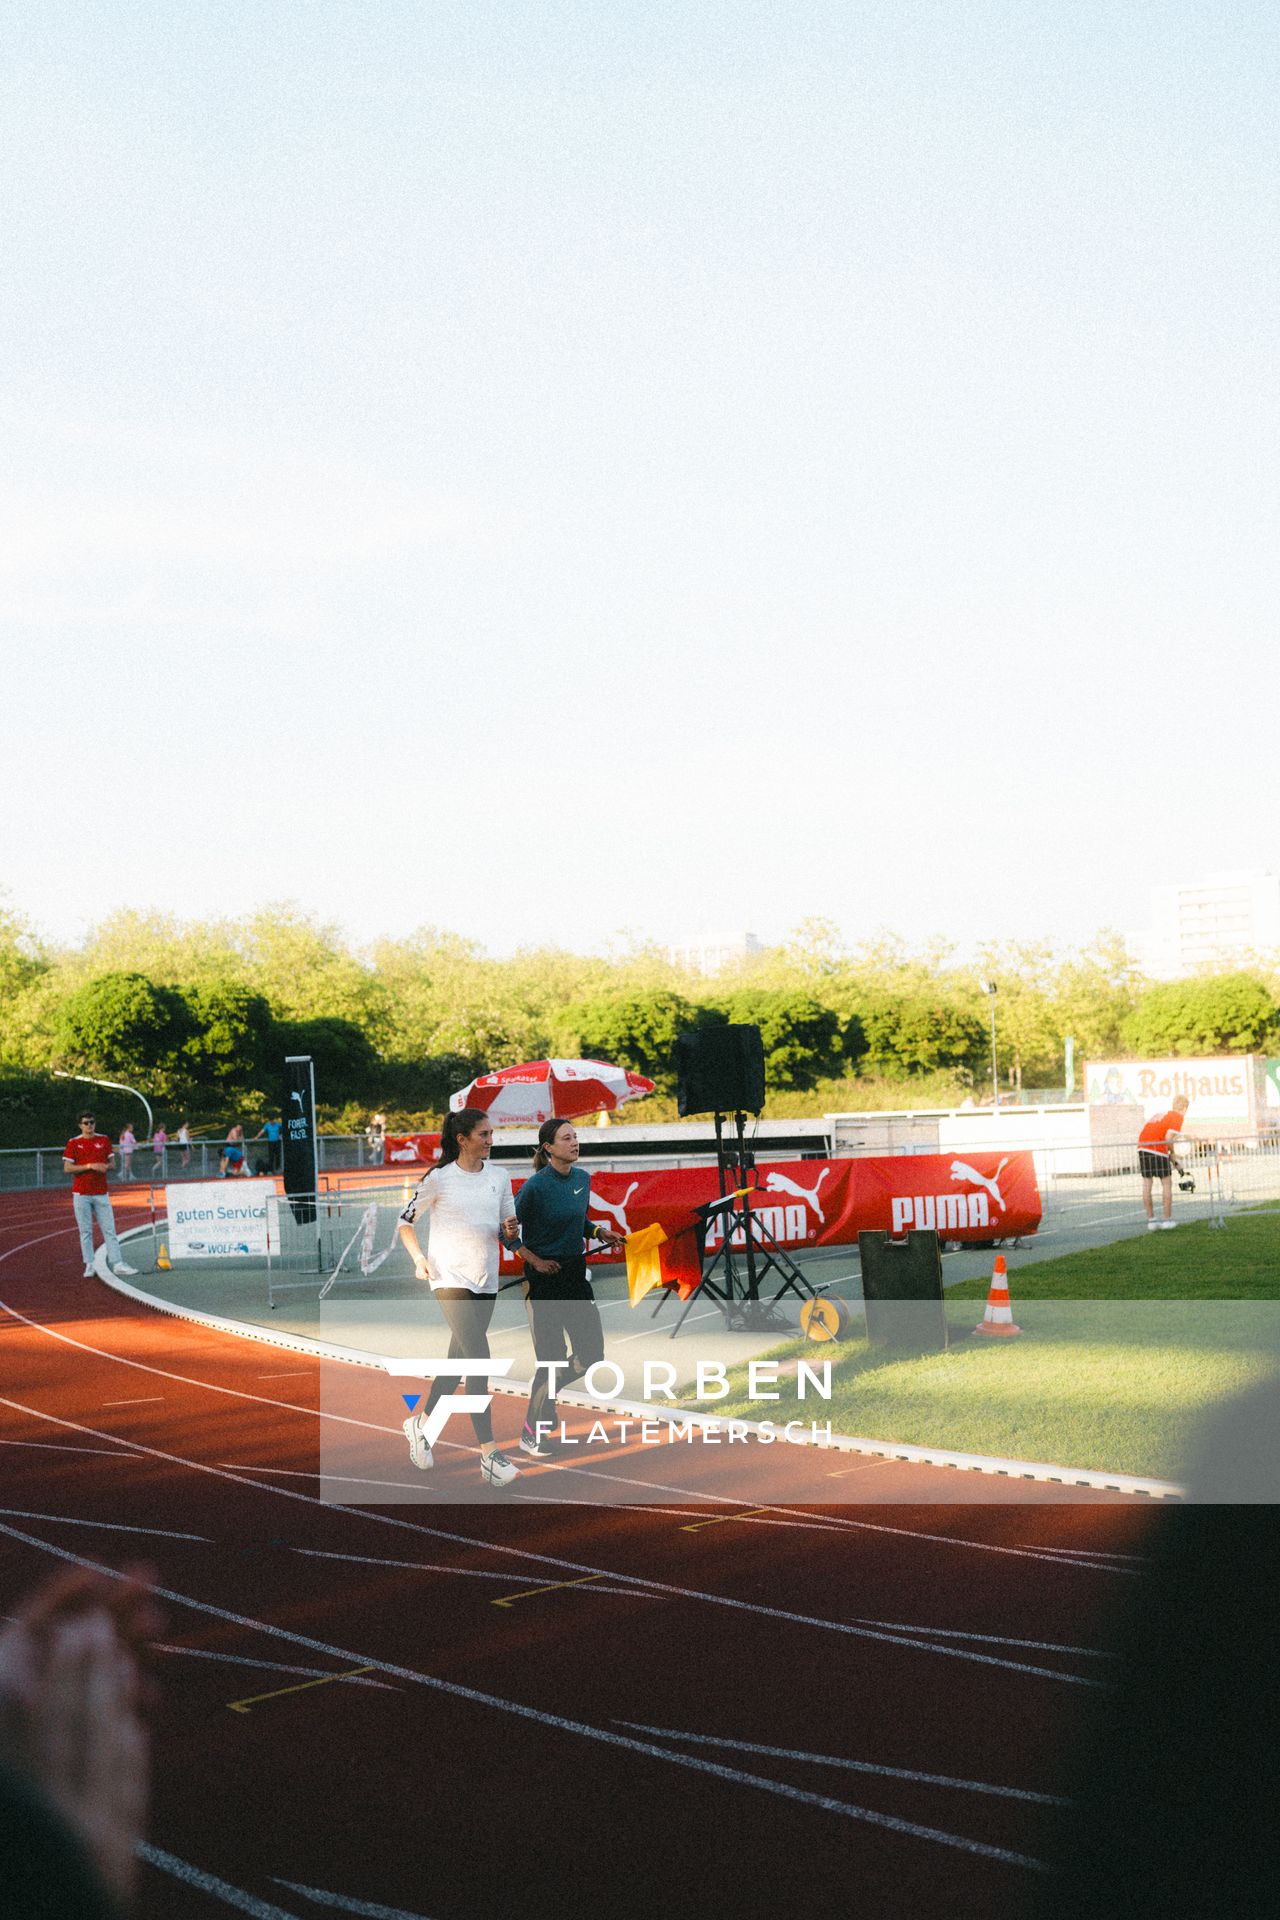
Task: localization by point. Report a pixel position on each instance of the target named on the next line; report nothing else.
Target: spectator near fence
(232, 1162)
(87, 1156)
(1156, 1160)
(128, 1141)
(270, 1132)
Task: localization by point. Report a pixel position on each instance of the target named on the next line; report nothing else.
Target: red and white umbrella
(528, 1095)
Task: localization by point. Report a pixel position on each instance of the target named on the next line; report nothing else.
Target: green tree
(1095, 989)
(639, 1032)
(22, 961)
(1029, 1040)
(1217, 1013)
(232, 1042)
(304, 968)
(122, 1023)
(920, 1032)
(804, 1042)
(444, 997)
(347, 1066)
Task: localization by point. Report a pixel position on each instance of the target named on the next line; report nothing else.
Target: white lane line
(851, 1766)
(1096, 1553)
(680, 1513)
(453, 1689)
(837, 1521)
(993, 1639)
(372, 1426)
(278, 1666)
(468, 1573)
(368, 1909)
(292, 1374)
(107, 1526)
(61, 1446)
(138, 1400)
(338, 1479)
(163, 1373)
(574, 1566)
(414, 1566)
(211, 1884)
(646, 1333)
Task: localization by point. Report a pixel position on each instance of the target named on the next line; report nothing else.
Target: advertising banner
(300, 1136)
(411, 1149)
(220, 1219)
(826, 1203)
(1220, 1088)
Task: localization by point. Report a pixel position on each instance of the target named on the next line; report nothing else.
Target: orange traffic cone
(998, 1318)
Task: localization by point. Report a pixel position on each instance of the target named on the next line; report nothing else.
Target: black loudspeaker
(902, 1290)
(720, 1070)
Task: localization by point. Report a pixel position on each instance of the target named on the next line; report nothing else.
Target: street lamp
(989, 988)
(117, 1086)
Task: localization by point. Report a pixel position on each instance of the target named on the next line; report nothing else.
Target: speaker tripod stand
(748, 1251)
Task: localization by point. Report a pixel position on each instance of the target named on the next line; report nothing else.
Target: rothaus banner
(220, 1219)
(826, 1203)
(299, 1164)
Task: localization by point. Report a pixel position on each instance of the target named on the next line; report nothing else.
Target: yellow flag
(644, 1263)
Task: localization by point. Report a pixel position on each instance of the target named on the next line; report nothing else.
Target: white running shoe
(91, 1273)
(1153, 1226)
(496, 1470)
(1167, 1226)
(419, 1451)
(122, 1271)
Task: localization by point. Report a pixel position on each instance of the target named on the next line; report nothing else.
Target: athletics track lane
(386, 1789)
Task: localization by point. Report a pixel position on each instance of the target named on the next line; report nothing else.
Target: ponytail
(455, 1130)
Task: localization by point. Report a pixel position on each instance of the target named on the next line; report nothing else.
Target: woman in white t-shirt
(472, 1214)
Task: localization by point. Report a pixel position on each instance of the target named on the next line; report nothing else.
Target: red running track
(741, 1711)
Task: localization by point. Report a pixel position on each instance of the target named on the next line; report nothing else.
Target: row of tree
(204, 1012)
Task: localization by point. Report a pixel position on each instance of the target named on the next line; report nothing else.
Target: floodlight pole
(117, 1086)
(989, 988)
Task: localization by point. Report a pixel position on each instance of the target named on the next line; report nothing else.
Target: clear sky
(549, 468)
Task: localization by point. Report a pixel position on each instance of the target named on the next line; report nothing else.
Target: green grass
(1239, 1262)
(1124, 1351)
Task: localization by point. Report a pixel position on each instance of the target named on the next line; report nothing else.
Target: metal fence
(1105, 1203)
(1079, 1207)
(42, 1166)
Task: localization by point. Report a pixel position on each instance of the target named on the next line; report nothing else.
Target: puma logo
(961, 1170)
(780, 1183)
(618, 1208)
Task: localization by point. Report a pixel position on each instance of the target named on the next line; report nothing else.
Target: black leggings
(565, 1323)
(467, 1316)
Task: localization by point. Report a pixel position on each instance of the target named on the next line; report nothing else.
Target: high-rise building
(1220, 921)
(713, 952)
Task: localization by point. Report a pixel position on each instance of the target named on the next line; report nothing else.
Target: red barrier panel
(827, 1203)
(411, 1149)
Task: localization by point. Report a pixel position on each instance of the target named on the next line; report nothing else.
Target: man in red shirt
(1156, 1161)
(87, 1156)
